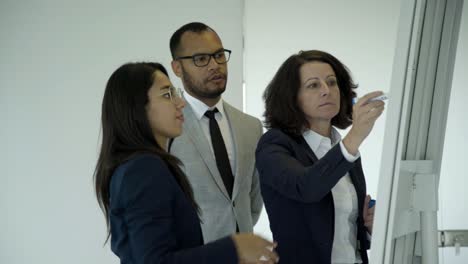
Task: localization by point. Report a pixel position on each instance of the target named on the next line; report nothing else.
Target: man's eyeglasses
(202, 59)
(172, 93)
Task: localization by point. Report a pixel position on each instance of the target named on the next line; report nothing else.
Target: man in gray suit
(217, 147)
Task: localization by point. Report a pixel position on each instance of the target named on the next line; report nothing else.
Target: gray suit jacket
(218, 212)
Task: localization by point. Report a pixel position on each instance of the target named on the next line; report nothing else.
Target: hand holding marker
(383, 97)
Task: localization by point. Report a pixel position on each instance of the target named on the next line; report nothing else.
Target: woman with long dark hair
(148, 203)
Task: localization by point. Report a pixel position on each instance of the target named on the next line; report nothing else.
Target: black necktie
(220, 152)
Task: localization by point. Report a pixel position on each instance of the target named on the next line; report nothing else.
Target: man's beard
(199, 90)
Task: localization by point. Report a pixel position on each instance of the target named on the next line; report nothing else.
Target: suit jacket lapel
(356, 174)
(239, 145)
(194, 131)
(308, 151)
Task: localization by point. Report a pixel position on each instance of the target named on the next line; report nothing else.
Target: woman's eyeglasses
(173, 94)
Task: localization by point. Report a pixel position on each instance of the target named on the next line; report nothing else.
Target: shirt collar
(199, 108)
(315, 140)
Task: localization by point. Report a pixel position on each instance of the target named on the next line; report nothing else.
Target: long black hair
(126, 131)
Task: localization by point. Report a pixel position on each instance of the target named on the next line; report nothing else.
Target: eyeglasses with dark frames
(203, 59)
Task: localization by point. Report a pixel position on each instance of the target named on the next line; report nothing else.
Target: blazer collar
(199, 108)
(315, 140)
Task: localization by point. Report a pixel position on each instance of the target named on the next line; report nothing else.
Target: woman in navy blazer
(148, 202)
(312, 182)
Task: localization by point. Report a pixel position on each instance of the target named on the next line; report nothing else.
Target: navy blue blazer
(296, 189)
(152, 221)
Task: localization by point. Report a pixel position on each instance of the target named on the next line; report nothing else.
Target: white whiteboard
(405, 229)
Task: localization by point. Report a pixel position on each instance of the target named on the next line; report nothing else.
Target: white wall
(362, 34)
(453, 195)
(55, 59)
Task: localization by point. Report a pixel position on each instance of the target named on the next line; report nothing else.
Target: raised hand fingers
(375, 112)
(364, 100)
(362, 111)
(368, 107)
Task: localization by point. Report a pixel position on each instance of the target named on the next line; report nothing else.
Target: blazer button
(233, 204)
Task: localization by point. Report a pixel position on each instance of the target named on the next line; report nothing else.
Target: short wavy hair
(281, 106)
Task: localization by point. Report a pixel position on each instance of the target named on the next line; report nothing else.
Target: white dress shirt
(344, 199)
(199, 108)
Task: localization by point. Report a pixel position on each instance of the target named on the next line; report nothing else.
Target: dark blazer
(152, 221)
(296, 189)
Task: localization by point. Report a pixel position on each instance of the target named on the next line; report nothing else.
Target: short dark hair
(281, 108)
(174, 42)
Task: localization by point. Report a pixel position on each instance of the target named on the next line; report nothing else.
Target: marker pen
(383, 97)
